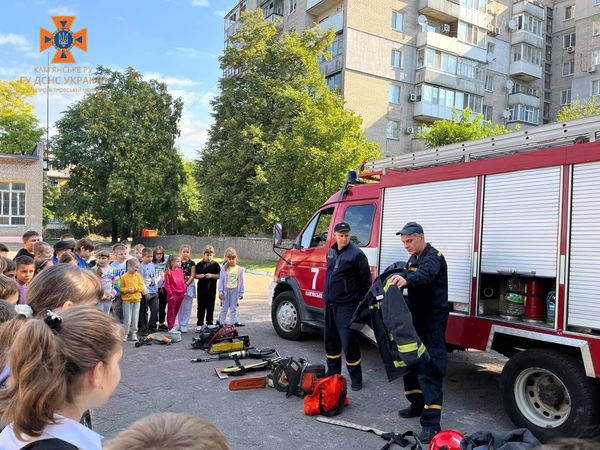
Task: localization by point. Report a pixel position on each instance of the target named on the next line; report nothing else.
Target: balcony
(522, 98)
(336, 22)
(318, 7)
(525, 6)
(429, 112)
(274, 17)
(450, 10)
(332, 66)
(522, 36)
(524, 70)
(432, 76)
(451, 45)
(231, 29)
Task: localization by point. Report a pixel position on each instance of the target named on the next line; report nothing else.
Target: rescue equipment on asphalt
(253, 353)
(226, 345)
(213, 333)
(446, 440)
(392, 438)
(296, 377)
(244, 384)
(328, 397)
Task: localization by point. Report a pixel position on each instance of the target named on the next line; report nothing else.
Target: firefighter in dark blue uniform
(347, 280)
(426, 279)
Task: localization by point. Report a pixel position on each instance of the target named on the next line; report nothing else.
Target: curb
(259, 272)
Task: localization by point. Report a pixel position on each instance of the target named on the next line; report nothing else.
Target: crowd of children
(57, 309)
(146, 292)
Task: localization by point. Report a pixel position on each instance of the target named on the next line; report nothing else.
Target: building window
(448, 98)
(526, 52)
(12, 203)
(595, 59)
(471, 34)
(487, 112)
(393, 129)
(524, 113)
(568, 68)
(489, 83)
(448, 63)
(292, 6)
(334, 82)
(565, 97)
(596, 27)
(526, 22)
(479, 5)
(397, 21)
(491, 47)
(569, 12)
(596, 2)
(569, 40)
(394, 93)
(596, 87)
(397, 59)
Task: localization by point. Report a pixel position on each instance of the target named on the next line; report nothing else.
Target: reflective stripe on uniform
(413, 391)
(421, 350)
(432, 406)
(334, 356)
(407, 348)
(353, 363)
(399, 364)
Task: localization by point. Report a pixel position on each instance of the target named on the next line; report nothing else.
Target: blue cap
(411, 228)
(342, 226)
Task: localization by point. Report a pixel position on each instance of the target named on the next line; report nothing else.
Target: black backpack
(50, 444)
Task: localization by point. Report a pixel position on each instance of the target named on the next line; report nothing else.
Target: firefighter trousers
(337, 337)
(423, 384)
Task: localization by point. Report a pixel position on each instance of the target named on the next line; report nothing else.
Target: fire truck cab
(517, 218)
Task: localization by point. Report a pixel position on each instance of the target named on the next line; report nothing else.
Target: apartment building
(402, 64)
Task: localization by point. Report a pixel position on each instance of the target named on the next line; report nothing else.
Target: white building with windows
(401, 64)
(21, 190)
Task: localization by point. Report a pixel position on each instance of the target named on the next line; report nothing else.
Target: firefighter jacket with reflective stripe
(391, 321)
(427, 284)
(348, 276)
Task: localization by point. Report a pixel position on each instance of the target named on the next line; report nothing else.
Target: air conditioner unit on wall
(570, 49)
(412, 97)
(445, 28)
(409, 130)
(591, 69)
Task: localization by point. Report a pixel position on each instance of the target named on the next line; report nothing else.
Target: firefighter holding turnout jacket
(426, 279)
(347, 280)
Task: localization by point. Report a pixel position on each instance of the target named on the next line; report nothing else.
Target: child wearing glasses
(231, 287)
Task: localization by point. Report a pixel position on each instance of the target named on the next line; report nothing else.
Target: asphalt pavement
(161, 378)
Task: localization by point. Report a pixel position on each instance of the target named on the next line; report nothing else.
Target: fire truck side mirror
(277, 235)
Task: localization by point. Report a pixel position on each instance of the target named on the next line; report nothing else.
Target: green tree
(579, 109)
(462, 127)
(281, 141)
(19, 131)
(119, 145)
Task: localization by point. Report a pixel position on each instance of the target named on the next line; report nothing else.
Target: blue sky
(175, 41)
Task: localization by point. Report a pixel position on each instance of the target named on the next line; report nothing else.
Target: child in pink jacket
(176, 288)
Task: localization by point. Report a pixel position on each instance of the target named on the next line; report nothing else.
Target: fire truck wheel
(548, 392)
(286, 316)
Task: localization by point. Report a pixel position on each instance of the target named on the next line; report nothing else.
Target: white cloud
(191, 52)
(19, 41)
(119, 18)
(200, 3)
(194, 134)
(170, 80)
(62, 11)
(220, 13)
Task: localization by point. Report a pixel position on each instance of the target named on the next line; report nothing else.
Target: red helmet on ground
(446, 440)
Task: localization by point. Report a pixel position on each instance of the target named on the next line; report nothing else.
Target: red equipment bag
(328, 397)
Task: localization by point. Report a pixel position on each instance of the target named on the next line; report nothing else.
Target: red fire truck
(517, 217)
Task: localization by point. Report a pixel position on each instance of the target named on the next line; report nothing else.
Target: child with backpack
(231, 287)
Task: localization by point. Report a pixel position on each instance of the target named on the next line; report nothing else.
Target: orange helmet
(446, 440)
